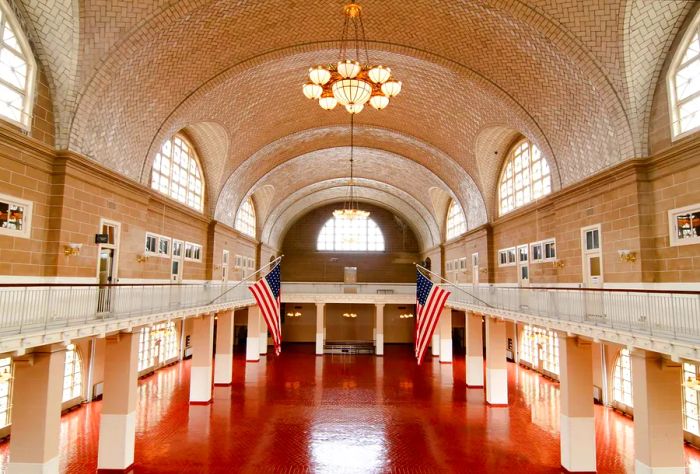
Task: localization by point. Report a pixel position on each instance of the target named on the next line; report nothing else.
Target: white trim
(506, 252)
(26, 231)
(194, 247)
(674, 241)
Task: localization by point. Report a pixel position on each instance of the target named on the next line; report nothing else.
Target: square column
(435, 344)
(379, 334)
(658, 414)
(475, 350)
(201, 373)
(36, 411)
(223, 366)
(262, 344)
(577, 425)
(118, 419)
(445, 333)
(252, 342)
(496, 368)
(320, 327)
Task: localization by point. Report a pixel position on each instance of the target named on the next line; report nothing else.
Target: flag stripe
(430, 301)
(266, 292)
(432, 321)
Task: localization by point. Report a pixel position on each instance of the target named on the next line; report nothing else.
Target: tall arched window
(456, 222)
(525, 177)
(245, 218)
(684, 82)
(622, 379)
(72, 375)
(5, 390)
(17, 70)
(354, 235)
(691, 414)
(177, 174)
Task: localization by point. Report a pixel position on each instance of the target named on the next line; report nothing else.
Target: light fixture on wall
(349, 315)
(558, 263)
(626, 255)
(72, 249)
(349, 82)
(406, 315)
(294, 314)
(351, 208)
(141, 259)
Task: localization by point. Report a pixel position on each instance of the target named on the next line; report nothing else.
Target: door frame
(475, 268)
(586, 254)
(180, 259)
(115, 246)
(519, 264)
(225, 259)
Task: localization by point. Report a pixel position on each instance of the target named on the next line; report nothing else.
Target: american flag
(430, 299)
(266, 292)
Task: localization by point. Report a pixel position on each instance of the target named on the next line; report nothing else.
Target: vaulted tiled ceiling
(575, 76)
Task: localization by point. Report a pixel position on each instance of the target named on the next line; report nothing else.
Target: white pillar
(577, 425)
(496, 368)
(475, 350)
(223, 367)
(118, 418)
(262, 344)
(252, 343)
(36, 411)
(320, 328)
(201, 369)
(379, 348)
(445, 329)
(435, 344)
(658, 414)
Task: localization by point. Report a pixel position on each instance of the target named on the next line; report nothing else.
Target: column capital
(379, 305)
(320, 305)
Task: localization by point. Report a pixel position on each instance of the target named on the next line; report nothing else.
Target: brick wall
(302, 262)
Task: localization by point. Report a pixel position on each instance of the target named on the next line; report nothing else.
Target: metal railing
(32, 308)
(348, 288)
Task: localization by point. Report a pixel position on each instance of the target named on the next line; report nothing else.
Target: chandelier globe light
(351, 82)
(350, 209)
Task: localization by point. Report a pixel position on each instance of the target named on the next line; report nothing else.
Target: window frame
(508, 252)
(243, 226)
(26, 231)
(192, 248)
(193, 155)
(696, 396)
(76, 374)
(673, 103)
(510, 158)
(158, 240)
(545, 243)
(29, 92)
(369, 224)
(624, 353)
(455, 222)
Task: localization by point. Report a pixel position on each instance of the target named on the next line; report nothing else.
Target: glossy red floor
(302, 413)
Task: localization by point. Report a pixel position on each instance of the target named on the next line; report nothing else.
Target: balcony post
(445, 334)
(320, 327)
(496, 368)
(475, 350)
(262, 343)
(223, 367)
(379, 347)
(252, 350)
(201, 373)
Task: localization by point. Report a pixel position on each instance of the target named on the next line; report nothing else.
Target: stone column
(658, 414)
(36, 411)
(118, 419)
(577, 425)
(320, 327)
(262, 344)
(475, 350)
(252, 343)
(379, 348)
(223, 366)
(201, 373)
(496, 368)
(435, 344)
(445, 330)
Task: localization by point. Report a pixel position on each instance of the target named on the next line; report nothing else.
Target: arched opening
(684, 83)
(525, 177)
(177, 173)
(245, 218)
(622, 379)
(73, 374)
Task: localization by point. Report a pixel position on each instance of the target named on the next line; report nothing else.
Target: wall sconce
(141, 258)
(558, 263)
(406, 316)
(483, 270)
(72, 249)
(293, 314)
(626, 255)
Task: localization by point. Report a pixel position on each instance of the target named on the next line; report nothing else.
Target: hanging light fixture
(349, 82)
(350, 208)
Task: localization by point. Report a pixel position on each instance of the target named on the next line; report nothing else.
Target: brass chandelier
(351, 208)
(349, 82)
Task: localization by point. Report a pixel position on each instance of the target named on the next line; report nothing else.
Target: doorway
(107, 263)
(177, 261)
(591, 250)
(224, 267)
(475, 269)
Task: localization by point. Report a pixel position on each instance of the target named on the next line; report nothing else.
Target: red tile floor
(302, 413)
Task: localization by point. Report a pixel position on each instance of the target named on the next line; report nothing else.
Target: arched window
(177, 174)
(5, 389)
(540, 344)
(525, 177)
(456, 222)
(355, 235)
(622, 379)
(691, 417)
(17, 71)
(684, 82)
(245, 218)
(157, 345)
(72, 375)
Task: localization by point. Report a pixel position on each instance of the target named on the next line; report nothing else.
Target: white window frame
(188, 190)
(26, 231)
(507, 252)
(372, 240)
(192, 248)
(533, 252)
(76, 375)
(622, 400)
(158, 240)
(147, 247)
(544, 243)
(674, 241)
(245, 221)
(456, 221)
(673, 105)
(29, 91)
(512, 181)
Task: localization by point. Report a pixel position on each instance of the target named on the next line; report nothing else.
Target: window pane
(175, 179)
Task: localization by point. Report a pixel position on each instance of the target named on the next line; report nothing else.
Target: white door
(224, 267)
(177, 261)
(591, 250)
(475, 269)
(523, 265)
(107, 264)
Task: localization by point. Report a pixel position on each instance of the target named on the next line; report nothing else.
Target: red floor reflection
(301, 413)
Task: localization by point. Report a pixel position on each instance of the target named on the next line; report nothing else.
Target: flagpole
(422, 268)
(277, 261)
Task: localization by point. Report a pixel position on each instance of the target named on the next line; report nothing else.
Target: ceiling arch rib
(419, 219)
